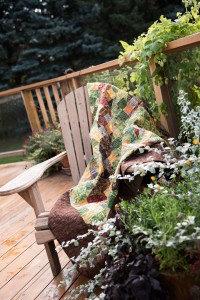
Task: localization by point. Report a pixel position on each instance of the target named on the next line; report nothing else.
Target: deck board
(24, 269)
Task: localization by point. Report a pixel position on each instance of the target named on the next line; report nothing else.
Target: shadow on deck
(24, 269)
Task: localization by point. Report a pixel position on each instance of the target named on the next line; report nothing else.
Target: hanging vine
(153, 43)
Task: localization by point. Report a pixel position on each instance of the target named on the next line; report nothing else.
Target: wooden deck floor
(24, 269)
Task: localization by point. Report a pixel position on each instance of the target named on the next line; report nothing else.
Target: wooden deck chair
(75, 119)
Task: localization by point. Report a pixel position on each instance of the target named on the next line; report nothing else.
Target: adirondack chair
(75, 119)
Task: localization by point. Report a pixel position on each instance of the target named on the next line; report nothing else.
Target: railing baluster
(31, 110)
(55, 92)
(42, 107)
(50, 104)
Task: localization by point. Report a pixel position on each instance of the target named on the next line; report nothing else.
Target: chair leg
(53, 258)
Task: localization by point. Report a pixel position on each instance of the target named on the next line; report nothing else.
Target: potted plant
(46, 144)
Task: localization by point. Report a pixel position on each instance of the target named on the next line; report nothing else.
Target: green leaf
(156, 72)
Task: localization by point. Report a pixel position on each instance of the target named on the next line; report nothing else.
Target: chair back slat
(68, 140)
(70, 101)
(75, 120)
(83, 119)
(89, 113)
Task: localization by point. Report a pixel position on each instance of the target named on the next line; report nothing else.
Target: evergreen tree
(41, 38)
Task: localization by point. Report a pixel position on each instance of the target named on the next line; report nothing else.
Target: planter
(181, 286)
(65, 166)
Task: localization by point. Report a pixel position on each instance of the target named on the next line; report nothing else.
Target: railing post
(162, 95)
(31, 110)
(65, 87)
(76, 83)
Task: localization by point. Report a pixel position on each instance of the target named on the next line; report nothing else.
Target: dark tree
(41, 38)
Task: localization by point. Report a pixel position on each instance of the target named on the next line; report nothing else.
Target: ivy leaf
(156, 72)
(124, 44)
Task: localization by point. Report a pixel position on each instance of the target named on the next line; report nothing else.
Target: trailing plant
(168, 222)
(44, 145)
(107, 238)
(190, 120)
(166, 216)
(118, 77)
(130, 272)
(159, 229)
(152, 44)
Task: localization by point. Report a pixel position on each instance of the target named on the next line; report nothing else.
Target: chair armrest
(30, 176)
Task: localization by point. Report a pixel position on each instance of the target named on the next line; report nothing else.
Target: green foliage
(118, 77)
(152, 44)
(41, 38)
(164, 219)
(190, 120)
(166, 216)
(168, 222)
(12, 159)
(44, 145)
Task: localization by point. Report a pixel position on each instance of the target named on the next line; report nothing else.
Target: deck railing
(46, 94)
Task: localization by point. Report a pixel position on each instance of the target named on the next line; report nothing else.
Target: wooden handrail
(173, 46)
(184, 43)
(12, 153)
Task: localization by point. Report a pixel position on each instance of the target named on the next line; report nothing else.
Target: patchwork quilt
(121, 126)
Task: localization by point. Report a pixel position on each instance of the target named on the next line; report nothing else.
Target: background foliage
(182, 68)
(41, 38)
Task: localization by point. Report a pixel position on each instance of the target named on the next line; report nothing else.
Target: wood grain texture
(41, 281)
(162, 94)
(33, 197)
(75, 130)
(83, 119)
(56, 93)
(68, 141)
(29, 177)
(44, 236)
(31, 110)
(50, 104)
(42, 107)
(41, 223)
(25, 272)
(89, 113)
(13, 153)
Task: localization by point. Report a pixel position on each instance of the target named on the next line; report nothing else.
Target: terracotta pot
(181, 286)
(65, 166)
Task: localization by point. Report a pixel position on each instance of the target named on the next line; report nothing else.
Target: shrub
(44, 145)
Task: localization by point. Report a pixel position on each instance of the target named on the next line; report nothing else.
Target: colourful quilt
(121, 126)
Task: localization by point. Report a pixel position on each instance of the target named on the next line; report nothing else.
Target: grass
(10, 144)
(12, 159)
